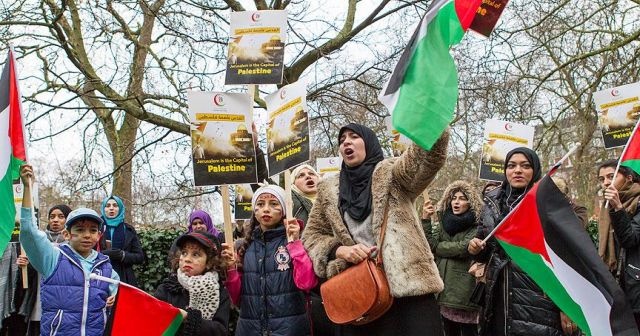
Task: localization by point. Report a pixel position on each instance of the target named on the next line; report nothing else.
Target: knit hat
(82, 213)
(273, 190)
(298, 169)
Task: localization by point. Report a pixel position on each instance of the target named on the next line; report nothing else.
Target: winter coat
(396, 182)
(451, 253)
(515, 305)
(627, 233)
(133, 255)
(171, 291)
(70, 300)
(301, 207)
(270, 290)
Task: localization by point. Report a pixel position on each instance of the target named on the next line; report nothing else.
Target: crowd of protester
(444, 277)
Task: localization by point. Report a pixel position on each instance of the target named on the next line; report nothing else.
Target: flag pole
(94, 276)
(551, 171)
(288, 198)
(624, 151)
(11, 60)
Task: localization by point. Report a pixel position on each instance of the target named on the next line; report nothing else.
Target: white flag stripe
(5, 143)
(594, 305)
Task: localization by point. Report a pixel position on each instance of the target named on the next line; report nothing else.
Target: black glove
(114, 254)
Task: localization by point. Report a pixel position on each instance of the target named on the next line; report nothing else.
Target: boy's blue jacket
(65, 277)
(71, 303)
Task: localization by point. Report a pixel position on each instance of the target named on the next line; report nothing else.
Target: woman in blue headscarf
(120, 241)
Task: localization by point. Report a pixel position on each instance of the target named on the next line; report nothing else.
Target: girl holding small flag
(274, 273)
(195, 286)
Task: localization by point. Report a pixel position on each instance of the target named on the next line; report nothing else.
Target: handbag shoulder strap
(383, 230)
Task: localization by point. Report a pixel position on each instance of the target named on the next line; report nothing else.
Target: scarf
(355, 182)
(295, 173)
(629, 196)
(116, 235)
(454, 224)
(119, 218)
(204, 292)
(55, 237)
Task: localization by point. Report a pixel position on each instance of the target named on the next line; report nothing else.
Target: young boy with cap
(72, 304)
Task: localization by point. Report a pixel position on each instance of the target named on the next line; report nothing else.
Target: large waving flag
(423, 89)
(138, 313)
(544, 237)
(12, 146)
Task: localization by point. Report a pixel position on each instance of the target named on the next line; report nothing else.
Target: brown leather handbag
(360, 294)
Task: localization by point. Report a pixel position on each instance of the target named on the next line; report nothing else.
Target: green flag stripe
(534, 265)
(429, 93)
(633, 164)
(172, 329)
(7, 207)
(14, 168)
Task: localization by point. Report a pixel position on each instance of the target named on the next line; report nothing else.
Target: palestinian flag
(545, 238)
(423, 89)
(631, 154)
(138, 313)
(12, 146)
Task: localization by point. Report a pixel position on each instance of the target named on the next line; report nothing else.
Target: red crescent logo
(283, 93)
(255, 17)
(508, 126)
(615, 92)
(218, 100)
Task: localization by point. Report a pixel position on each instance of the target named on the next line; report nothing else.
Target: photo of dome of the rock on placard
(288, 128)
(222, 144)
(255, 52)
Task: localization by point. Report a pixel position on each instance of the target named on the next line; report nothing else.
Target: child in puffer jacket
(275, 274)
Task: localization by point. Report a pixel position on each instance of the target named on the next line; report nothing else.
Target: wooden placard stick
(226, 213)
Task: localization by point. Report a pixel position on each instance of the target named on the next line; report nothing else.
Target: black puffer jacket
(515, 305)
(171, 291)
(270, 303)
(627, 231)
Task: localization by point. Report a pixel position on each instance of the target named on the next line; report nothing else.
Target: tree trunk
(123, 152)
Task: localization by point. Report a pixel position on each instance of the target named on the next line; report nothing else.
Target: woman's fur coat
(406, 255)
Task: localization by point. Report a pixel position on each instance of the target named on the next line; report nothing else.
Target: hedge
(155, 244)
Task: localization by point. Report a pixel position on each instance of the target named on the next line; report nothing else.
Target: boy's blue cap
(82, 213)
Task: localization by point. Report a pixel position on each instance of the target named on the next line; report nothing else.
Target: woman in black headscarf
(345, 221)
(514, 304)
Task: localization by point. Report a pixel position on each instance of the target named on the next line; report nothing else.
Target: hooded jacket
(451, 253)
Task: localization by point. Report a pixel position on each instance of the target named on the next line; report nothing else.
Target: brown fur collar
(475, 201)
